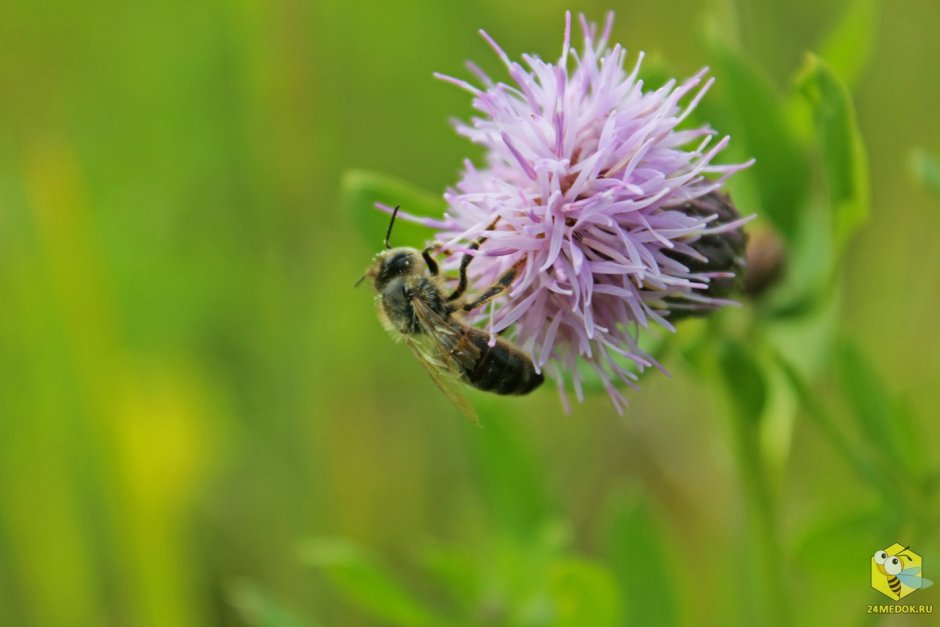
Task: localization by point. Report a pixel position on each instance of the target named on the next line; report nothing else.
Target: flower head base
(590, 182)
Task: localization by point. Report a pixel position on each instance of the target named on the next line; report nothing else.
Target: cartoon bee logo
(896, 572)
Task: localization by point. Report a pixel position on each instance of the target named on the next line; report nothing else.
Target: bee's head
(392, 262)
(890, 565)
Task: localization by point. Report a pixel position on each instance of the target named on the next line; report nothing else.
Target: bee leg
(465, 261)
(428, 259)
(498, 288)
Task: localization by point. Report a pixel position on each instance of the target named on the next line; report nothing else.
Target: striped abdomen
(895, 585)
(501, 368)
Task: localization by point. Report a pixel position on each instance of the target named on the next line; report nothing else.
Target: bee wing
(911, 578)
(442, 375)
(439, 355)
(447, 334)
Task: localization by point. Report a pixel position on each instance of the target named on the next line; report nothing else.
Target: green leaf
(361, 189)
(583, 593)
(258, 609)
(780, 168)
(357, 576)
(512, 483)
(841, 537)
(635, 537)
(806, 336)
(850, 451)
(832, 554)
(847, 47)
(926, 169)
(744, 378)
(888, 429)
(843, 151)
(456, 570)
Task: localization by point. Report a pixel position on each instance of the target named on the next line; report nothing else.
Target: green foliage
(636, 548)
(531, 582)
(780, 170)
(887, 429)
(258, 609)
(747, 390)
(455, 572)
(363, 189)
(826, 555)
(583, 593)
(508, 474)
(358, 577)
(847, 48)
(526, 576)
(848, 451)
(843, 152)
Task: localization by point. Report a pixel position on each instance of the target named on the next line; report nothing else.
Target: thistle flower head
(587, 181)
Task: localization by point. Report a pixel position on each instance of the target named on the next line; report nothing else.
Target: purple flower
(586, 185)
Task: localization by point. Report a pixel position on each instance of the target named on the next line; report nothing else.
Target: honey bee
(412, 305)
(892, 567)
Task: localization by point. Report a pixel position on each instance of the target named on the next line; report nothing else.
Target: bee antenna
(901, 553)
(391, 223)
(361, 279)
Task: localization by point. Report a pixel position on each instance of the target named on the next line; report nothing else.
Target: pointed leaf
(780, 168)
(361, 189)
(847, 48)
(889, 430)
(829, 552)
(511, 481)
(365, 584)
(258, 609)
(455, 570)
(584, 593)
(846, 447)
(840, 141)
(635, 537)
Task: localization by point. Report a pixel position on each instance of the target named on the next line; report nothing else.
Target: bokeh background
(202, 422)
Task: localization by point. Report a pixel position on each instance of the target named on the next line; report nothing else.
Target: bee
(413, 306)
(892, 567)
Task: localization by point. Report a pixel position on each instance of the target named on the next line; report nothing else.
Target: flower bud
(723, 256)
(766, 262)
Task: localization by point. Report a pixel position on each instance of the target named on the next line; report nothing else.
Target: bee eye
(880, 557)
(397, 264)
(893, 566)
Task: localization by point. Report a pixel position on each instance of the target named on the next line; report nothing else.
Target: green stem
(894, 489)
(746, 392)
(821, 418)
(763, 533)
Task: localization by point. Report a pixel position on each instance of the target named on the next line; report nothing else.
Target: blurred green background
(202, 422)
